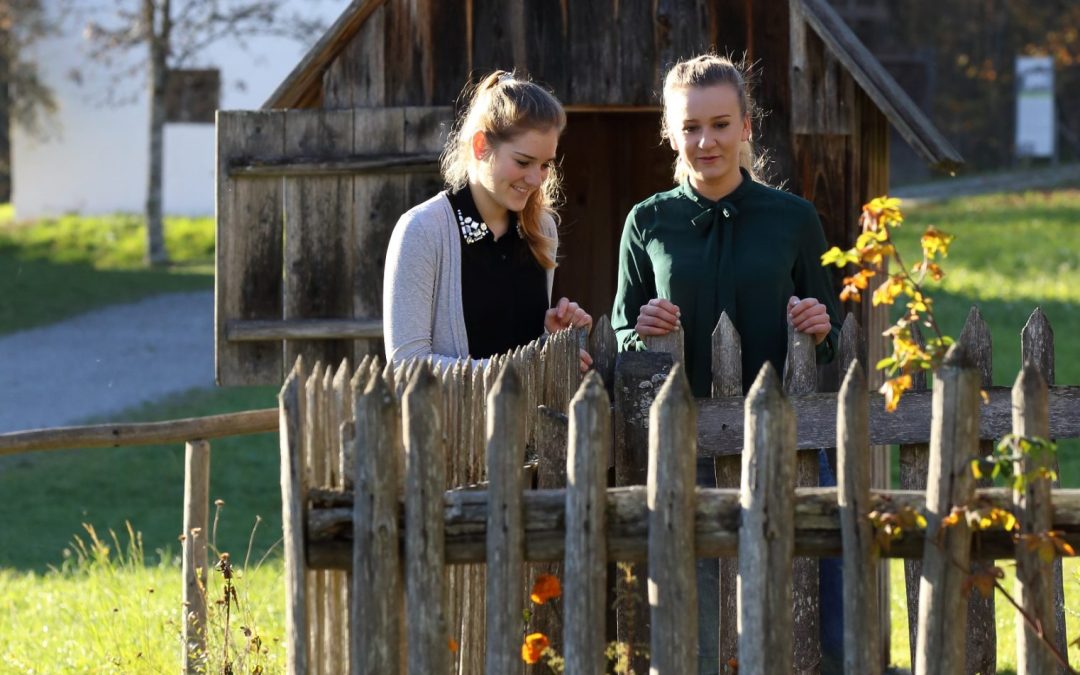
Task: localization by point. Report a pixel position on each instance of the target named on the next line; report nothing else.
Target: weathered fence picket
(195, 562)
(766, 532)
(673, 597)
(727, 381)
(586, 550)
(505, 530)
(954, 442)
(981, 652)
(425, 482)
(1034, 577)
(376, 608)
(1037, 348)
(862, 616)
(293, 525)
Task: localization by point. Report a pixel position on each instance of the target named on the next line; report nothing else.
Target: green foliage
(112, 242)
(54, 268)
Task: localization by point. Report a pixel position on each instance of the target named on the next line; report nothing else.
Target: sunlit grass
(1012, 252)
(1005, 615)
(110, 609)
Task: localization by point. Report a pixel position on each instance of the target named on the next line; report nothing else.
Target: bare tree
(24, 99)
(175, 34)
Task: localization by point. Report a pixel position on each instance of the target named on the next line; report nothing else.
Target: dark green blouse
(746, 254)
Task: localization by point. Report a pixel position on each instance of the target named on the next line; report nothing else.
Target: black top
(503, 287)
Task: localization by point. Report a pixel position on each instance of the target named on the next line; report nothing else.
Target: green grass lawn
(1011, 254)
(54, 268)
(109, 610)
(47, 496)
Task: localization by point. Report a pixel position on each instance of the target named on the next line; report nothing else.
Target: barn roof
(303, 86)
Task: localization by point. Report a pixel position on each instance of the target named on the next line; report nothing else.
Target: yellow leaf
(934, 241)
(893, 389)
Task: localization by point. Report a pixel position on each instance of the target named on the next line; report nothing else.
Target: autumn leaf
(889, 290)
(837, 256)
(545, 588)
(532, 650)
(983, 581)
(893, 389)
(934, 241)
(452, 645)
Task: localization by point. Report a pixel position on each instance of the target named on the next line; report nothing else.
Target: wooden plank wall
(250, 223)
(310, 246)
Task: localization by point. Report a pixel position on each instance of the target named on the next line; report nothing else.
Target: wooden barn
(310, 187)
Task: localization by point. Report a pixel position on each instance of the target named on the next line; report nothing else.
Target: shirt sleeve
(635, 285)
(812, 281)
(409, 292)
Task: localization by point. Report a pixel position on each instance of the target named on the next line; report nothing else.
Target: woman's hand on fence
(566, 314)
(809, 316)
(586, 361)
(658, 317)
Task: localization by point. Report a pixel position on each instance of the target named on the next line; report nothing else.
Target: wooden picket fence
(374, 583)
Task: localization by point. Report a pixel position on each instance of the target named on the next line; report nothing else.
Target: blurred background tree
(24, 99)
(958, 61)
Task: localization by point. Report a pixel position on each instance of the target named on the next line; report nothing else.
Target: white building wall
(95, 159)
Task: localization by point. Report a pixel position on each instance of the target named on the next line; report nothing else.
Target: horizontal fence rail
(140, 433)
(716, 524)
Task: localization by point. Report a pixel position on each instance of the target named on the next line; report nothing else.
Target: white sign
(1035, 129)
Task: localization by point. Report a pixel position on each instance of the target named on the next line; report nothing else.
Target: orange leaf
(545, 588)
(533, 647)
(452, 644)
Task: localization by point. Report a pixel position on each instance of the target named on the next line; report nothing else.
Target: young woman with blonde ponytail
(723, 241)
(469, 272)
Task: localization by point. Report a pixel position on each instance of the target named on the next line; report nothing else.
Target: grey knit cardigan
(422, 309)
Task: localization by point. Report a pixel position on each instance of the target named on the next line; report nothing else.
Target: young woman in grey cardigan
(469, 272)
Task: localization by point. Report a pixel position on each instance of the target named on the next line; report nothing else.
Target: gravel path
(106, 361)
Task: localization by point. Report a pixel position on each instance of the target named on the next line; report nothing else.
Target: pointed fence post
(378, 590)
(584, 599)
(671, 500)
(914, 466)
(1035, 511)
(293, 500)
(195, 562)
(315, 458)
(981, 655)
(954, 442)
(603, 348)
(425, 482)
(505, 529)
(862, 616)
(727, 381)
(800, 377)
(671, 343)
(767, 529)
(1037, 348)
(638, 377)
(853, 348)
